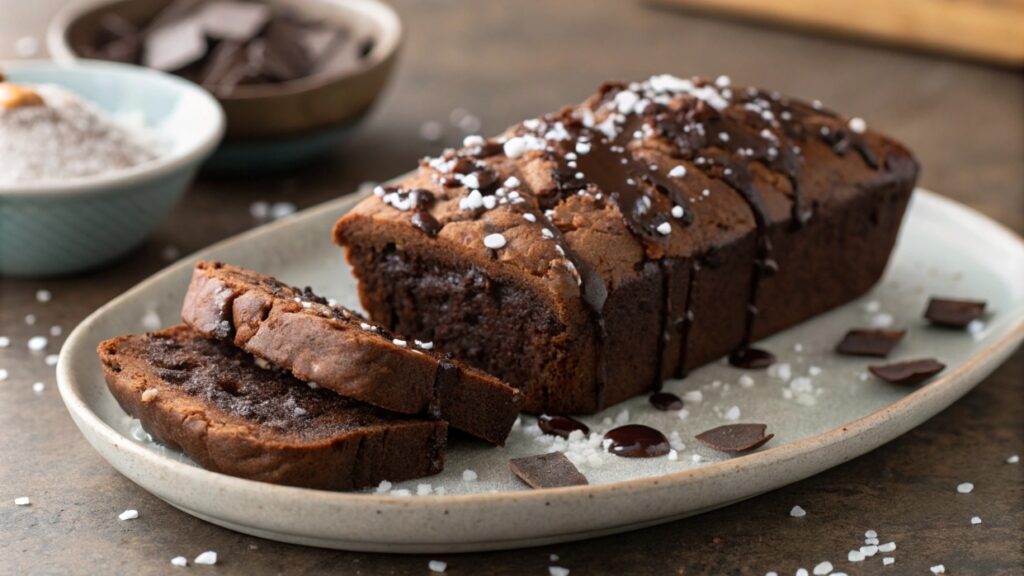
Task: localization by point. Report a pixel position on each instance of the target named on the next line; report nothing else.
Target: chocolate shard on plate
(735, 438)
(952, 313)
(560, 426)
(552, 470)
(910, 373)
(869, 342)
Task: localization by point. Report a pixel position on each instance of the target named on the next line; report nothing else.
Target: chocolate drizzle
(637, 441)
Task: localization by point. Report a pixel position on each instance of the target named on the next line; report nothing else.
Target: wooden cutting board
(991, 30)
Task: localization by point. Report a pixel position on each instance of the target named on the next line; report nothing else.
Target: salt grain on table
(209, 558)
(179, 561)
(437, 566)
(22, 501)
(965, 488)
(128, 515)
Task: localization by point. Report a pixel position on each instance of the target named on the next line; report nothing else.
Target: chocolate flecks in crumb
(735, 438)
(910, 373)
(560, 426)
(864, 342)
(951, 313)
(552, 470)
(666, 401)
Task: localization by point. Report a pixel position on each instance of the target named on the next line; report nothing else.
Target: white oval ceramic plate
(827, 412)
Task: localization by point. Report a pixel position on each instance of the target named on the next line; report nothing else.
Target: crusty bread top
(667, 167)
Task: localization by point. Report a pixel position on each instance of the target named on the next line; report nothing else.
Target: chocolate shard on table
(216, 404)
(735, 438)
(224, 44)
(552, 470)
(869, 342)
(339, 350)
(951, 313)
(909, 373)
(587, 255)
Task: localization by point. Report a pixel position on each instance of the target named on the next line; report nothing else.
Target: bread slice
(341, 351)
(214, 402)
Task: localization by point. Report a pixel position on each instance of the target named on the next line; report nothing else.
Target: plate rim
(947, 383)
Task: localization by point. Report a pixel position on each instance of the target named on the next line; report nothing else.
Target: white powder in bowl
(67, 138)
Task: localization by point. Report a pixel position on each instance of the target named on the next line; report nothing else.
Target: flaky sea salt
(38, 387)
(494, 241)
(384, 487)
(938, 569)
(43, 296)
(437, 566)
(888, 547)
(3, 374)
(678, 171)
(469, 476)
(888, 560)
(797, 512)
(22, 501)
(823, 568)
(5, 342)
(558, 571)
(209, 558)
(964, 487)
(51, 359)
(179, 561)
(151, 320)
(128, 515)
(975, 520)
(733, 413)
(1013, 459)
(37, 343)
(66, 138)
(858, 125)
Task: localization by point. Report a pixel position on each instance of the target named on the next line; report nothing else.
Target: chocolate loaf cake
(341, 351)
(214, 403)
(587, 255)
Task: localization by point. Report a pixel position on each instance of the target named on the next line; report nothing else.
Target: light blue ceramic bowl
(61, 227)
